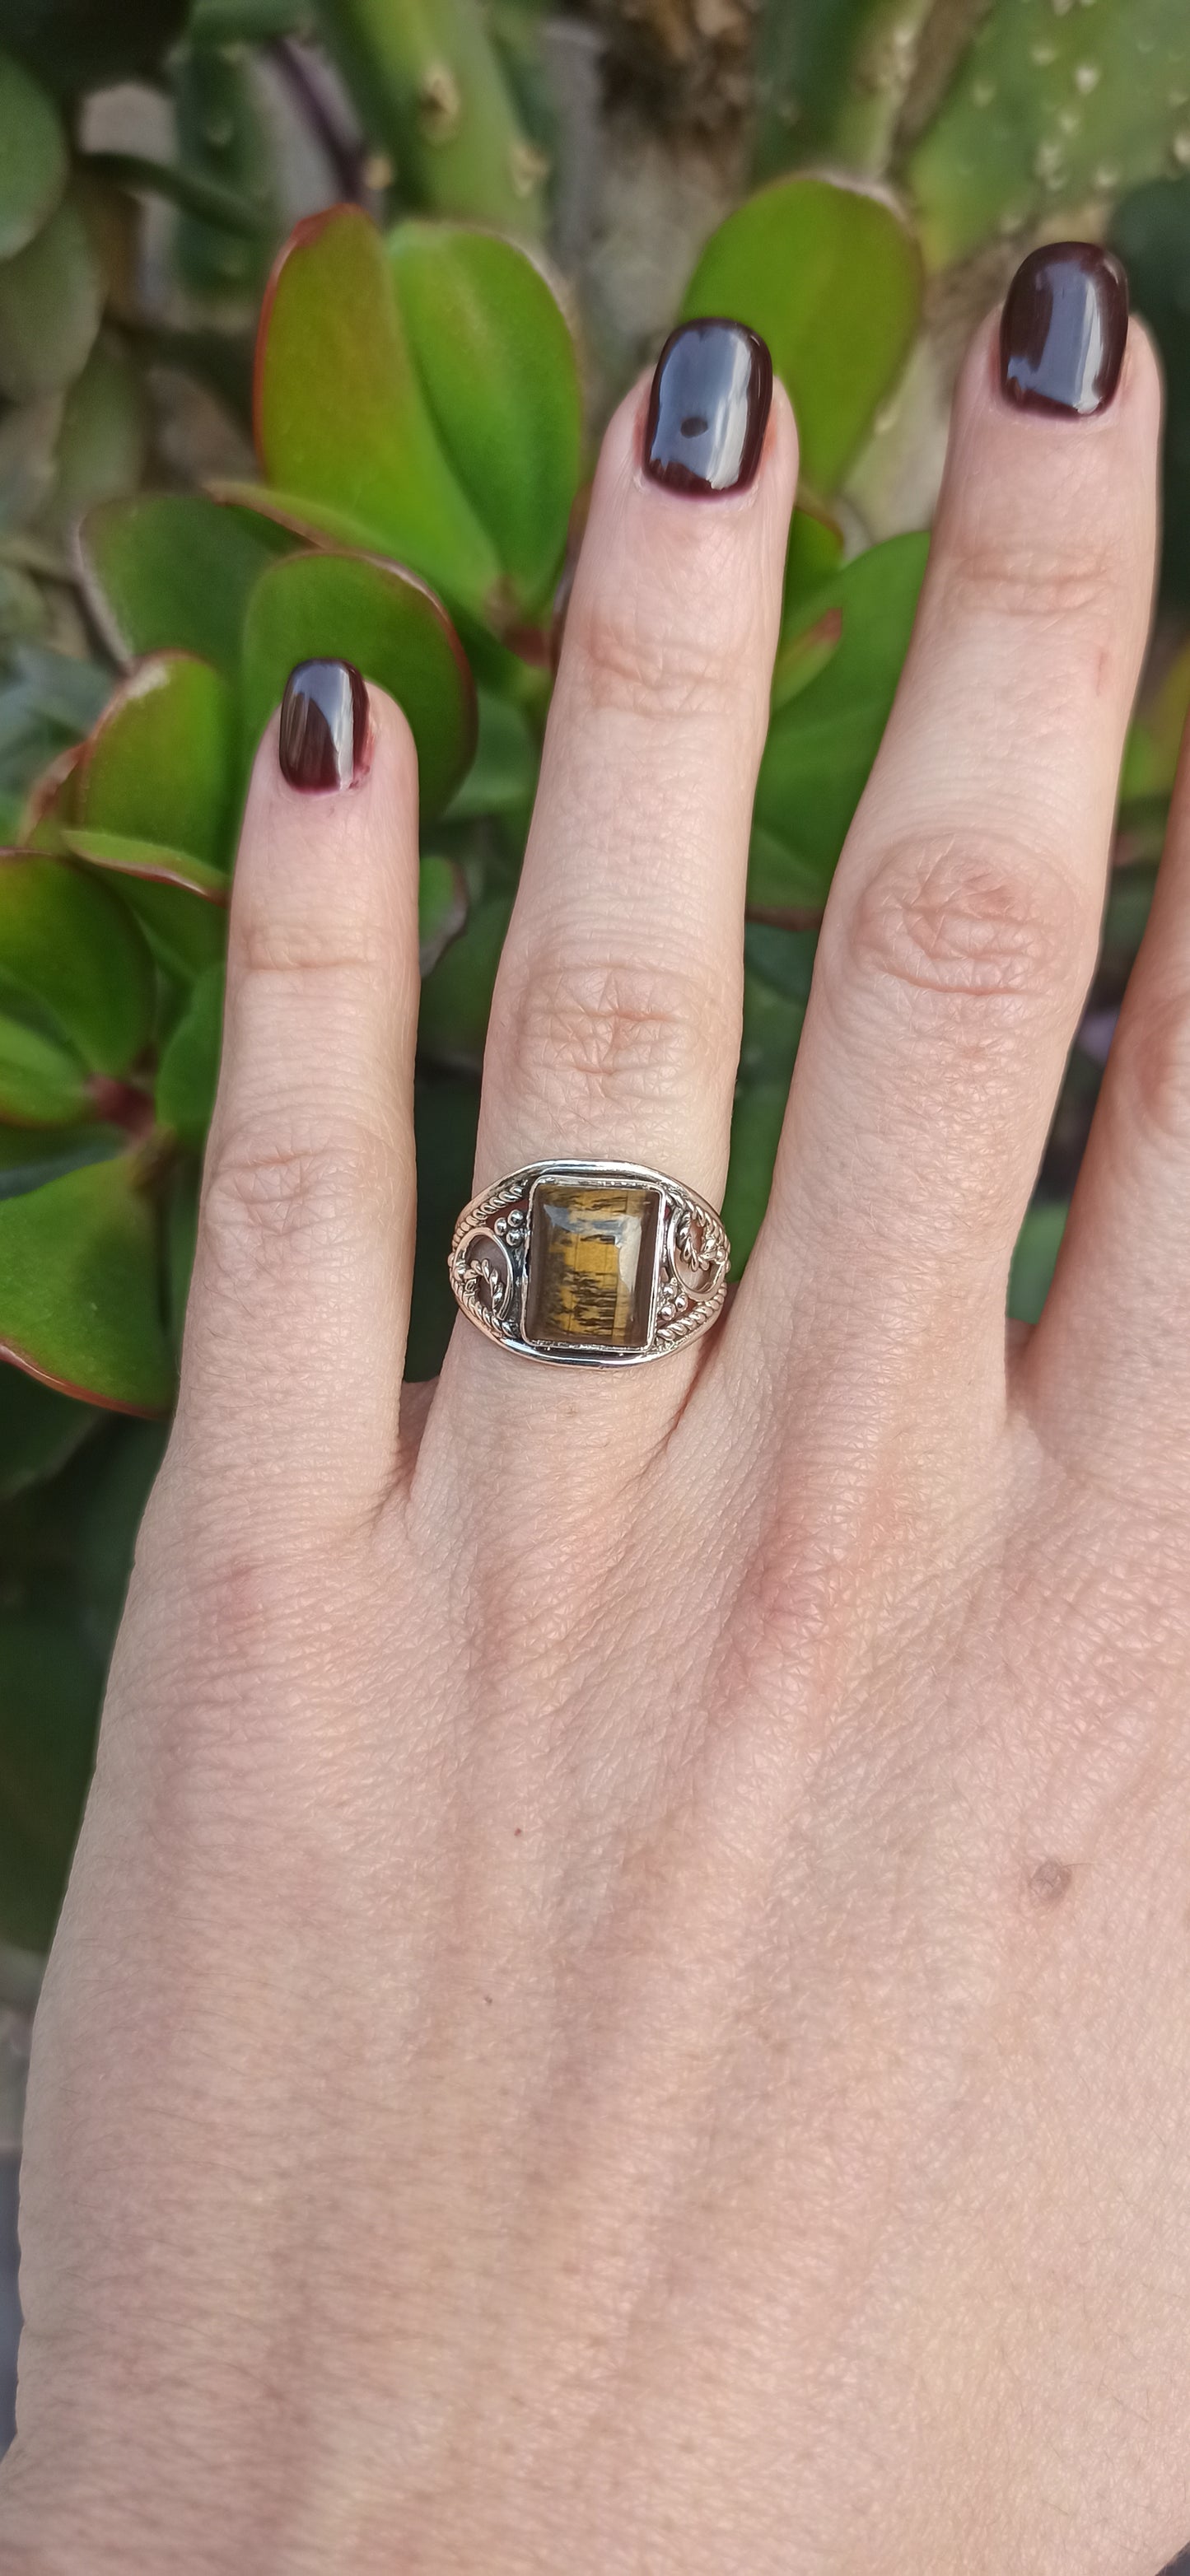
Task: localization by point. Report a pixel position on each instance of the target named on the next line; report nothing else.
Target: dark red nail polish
(1063, 329)
(324, 726)
(708, 408)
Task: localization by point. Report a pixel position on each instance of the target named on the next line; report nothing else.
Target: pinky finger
(298, 1311)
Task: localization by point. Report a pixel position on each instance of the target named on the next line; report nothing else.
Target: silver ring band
(599, 1265)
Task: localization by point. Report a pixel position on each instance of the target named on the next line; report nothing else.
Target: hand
(624, 2002)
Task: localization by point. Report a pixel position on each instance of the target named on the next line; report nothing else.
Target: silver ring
(599, 1265)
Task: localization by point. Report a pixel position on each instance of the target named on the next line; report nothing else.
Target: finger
(615, 1024)
(962, 925)
(1109, 1362)
(297, 1317)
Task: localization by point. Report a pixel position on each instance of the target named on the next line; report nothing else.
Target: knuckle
(980, 924)
(615, 1034)
(278, 1194)
(1150, 1061)
(632, 655)
(1032, 581)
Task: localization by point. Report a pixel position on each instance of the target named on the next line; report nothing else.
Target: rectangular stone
(592, 1254)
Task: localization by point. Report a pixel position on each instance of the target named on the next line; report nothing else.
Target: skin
(624, 2001)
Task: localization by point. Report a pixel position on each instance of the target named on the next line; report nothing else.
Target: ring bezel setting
(591, 1264)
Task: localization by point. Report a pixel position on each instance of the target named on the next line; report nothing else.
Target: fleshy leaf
(497, 366)
(79, 1288)
(340, 415)
(441, 908)
(51, 296)
(456, 998)
(815, 551)
(66, 939)
(150, 860)
(445, 1112)
(159, 765)
(172, 571)
(42, 1083)
(33, 157)
(502, 778)
(1052, 107)
(31, 1156)
(185, 931)
(831, 278)
(821, 745)
(1035, 1259)
(755, 1131)
(51, 1682)
(39, 1430)
(379, 617)
(103, 440)
(189, 1068)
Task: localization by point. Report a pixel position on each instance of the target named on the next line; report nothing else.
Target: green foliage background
(428, 393)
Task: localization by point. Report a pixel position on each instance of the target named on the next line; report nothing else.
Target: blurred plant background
(479, 219)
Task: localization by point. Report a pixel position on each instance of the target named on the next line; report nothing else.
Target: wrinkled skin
(624, 2001)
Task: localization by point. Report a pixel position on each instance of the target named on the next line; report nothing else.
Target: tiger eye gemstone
(592, 1254)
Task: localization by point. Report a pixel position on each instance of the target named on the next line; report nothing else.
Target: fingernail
(1063, 329)
(324, 726)
(708, 408)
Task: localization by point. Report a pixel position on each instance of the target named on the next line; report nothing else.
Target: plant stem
(429, 88)
(885, 61)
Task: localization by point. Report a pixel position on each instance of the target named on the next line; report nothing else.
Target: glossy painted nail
(1063, 329)
(708, 408)
(324, 726)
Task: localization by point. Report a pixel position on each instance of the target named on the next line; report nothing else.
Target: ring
(596, 1264)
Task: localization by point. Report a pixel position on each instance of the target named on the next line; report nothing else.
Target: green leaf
(341, 419)
(782, 958)
(445, 1112)
(42, 1083)
(51, 1684)
(151, 860)
(1151, 232)
(189, 1067)
(224, 141)
(498, 369)
(39, 1430)
(822, 744)
(456, 998)
(33, 157)
(103, 440)
(1155, 739)
(771, 1033)
(159, 766)
(394, 630)
(29, 1157)
(502, 778)
(1035, 1259)
(66, 939)
(181, 1241)
(1051, 107)
(186, 931)
(755, 1132)
(832, 280)
(441, 908)
(79, 1288)
(815, 551)
(51, 296)
(172, 571)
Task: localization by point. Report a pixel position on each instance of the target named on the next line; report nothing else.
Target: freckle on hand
(1049, 1881)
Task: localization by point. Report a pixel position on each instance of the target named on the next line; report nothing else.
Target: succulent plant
(421, 444)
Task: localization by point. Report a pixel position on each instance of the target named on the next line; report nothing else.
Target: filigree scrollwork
(489, 1259)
